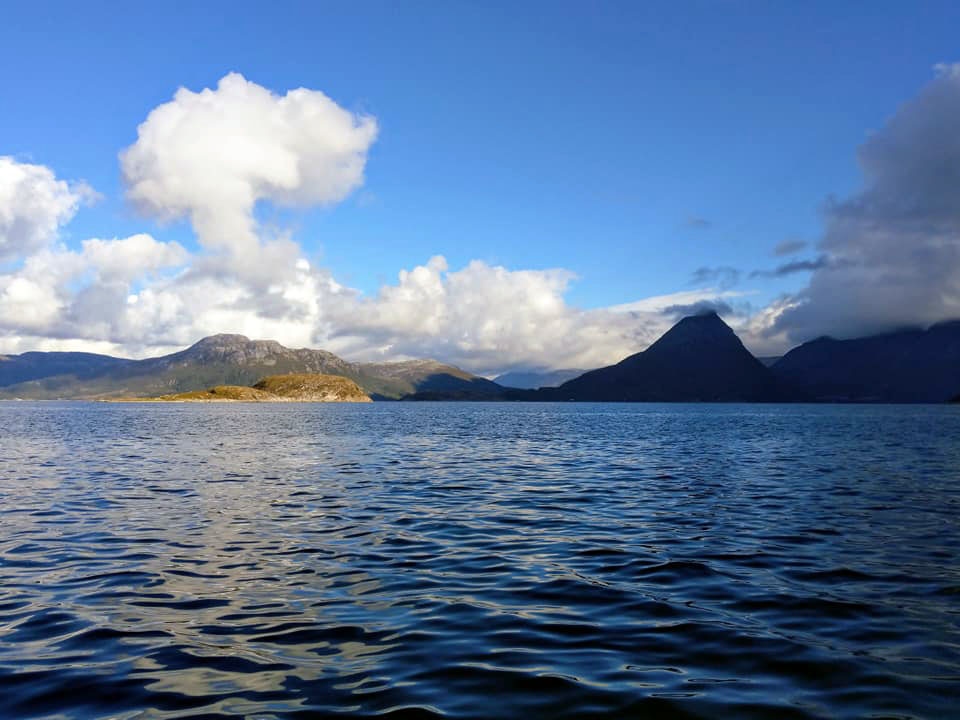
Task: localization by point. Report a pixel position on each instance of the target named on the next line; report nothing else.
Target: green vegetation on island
(293, 387)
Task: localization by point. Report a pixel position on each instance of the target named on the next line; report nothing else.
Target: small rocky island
(294, 387)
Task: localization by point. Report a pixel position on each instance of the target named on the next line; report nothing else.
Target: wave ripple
(479, 560)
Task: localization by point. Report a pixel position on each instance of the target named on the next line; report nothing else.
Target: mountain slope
(230, 360)
(700, 359)
(532, 379)
(906, 366)
(34, 365)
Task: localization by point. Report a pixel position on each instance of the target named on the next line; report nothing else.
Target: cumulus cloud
(63, 293)
(485, 318)
(892, 249)
(210, 156)
(33, 205)
(131, 257)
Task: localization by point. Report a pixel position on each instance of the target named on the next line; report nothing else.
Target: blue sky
(629, 143)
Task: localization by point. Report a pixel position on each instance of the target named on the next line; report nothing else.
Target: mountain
(428, 376)
(905, 366)
(533, 379)
(700, 359)
(219, 360)
(33, 365)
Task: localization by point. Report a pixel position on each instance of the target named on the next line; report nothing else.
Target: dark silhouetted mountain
(700, 359)
(533, 379)
(905, 366)
(220, 360)
(769, 360)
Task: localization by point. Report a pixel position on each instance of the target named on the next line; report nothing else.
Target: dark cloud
(789, 247)
(696, 222)
(722, 277)
(699, 308)
(894, 245)
(797, 266)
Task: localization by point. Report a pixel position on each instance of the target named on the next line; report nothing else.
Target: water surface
(479, 560)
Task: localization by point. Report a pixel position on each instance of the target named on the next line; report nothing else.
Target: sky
(503, 186)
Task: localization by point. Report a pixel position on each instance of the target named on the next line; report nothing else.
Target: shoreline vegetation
(292, 387)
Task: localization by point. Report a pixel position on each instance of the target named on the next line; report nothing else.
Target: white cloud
(34, 297)
(488, 318)
(483, 318)
(662, 303)
(130, 258)
(33, 206)
(209, 157)
(63, 293)
(212, 155)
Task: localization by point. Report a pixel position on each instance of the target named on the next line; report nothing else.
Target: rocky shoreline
(294, 387)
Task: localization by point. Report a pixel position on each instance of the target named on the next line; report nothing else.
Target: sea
(479, 560)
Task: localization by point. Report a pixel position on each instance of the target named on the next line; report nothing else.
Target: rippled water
(479, 560)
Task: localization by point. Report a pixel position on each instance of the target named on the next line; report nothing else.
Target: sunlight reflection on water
(478, 559)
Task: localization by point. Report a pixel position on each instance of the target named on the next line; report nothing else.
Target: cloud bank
(488, 319)
(892, 250)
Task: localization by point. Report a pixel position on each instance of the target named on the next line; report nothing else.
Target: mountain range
(905, 366)
(218, 360)
(700, 359)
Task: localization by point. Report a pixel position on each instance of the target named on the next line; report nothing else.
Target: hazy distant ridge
(533, 379)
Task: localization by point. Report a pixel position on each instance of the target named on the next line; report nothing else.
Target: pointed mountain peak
(705, 318)
(705, 328)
